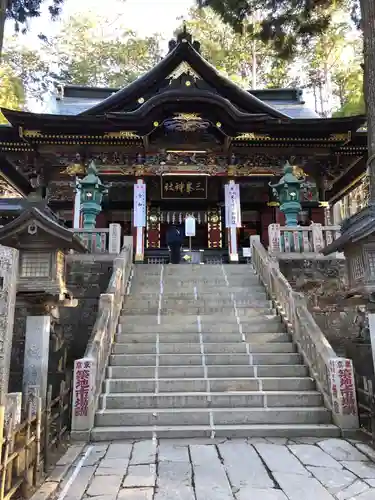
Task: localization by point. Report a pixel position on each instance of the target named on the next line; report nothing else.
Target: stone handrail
(89, 371)
(333, 375)
(301, 239)
(107, 240)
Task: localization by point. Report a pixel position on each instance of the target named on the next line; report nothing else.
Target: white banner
(190, 226)
(140, 205)
(232, 205)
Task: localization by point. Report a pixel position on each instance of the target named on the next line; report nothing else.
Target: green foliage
(241, 57)
(284, 23)
(12, 93)
(87, 51)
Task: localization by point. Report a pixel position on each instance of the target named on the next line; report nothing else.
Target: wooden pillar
(153, 227)
(266, 218)
(279, 217)
(317, 215)
(214, 228)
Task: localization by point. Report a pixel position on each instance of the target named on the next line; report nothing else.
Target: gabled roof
(75, 99)
(182, 82)
(184, 52)
(39, 215)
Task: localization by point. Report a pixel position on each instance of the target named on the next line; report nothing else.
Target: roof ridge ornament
(184, 36)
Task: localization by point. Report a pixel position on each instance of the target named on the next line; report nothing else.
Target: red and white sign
(232, 205)
(344, 400)
(82, 387)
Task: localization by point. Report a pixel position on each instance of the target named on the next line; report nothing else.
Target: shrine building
(184, 130)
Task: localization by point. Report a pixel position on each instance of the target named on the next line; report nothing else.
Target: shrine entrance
(168, 218)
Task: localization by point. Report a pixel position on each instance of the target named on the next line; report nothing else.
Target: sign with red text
(83, 393)
(342, 386)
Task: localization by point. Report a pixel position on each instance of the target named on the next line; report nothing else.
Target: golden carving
(122, 134)
(32, 133)
(188, 116)
(340, 137)
(299, 172)
(251, 136)
(74, 169)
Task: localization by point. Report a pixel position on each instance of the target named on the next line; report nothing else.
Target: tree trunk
(254, 65)
(368, 26)
(3, 14)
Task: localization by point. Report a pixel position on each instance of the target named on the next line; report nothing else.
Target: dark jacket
(175, 235)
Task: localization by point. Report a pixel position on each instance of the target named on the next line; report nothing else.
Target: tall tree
(241, 56)
(20, 11)
(90, 50)
(287, 23)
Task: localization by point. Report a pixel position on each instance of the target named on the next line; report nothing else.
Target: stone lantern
(288, 192)
(42, 243)
(92, 191)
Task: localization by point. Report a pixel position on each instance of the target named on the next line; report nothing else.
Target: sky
(143, 16)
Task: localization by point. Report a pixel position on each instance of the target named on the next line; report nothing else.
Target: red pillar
(266, 218)
(317, 215)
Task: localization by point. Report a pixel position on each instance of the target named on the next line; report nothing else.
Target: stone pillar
(13, 408)
(35, 370)
(8, 291)
(114, 243)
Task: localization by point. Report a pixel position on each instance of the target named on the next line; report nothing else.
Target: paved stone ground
(221, 469)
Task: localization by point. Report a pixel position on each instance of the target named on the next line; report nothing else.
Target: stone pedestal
(35, 372)
(8, 290)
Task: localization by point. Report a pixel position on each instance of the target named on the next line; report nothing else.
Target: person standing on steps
(175, 237)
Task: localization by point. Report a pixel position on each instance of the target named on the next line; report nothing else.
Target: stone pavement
(223, 469)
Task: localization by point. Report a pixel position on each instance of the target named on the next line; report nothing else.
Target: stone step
(221, 327)
(150, 295)
(136, 289)
(224, 337)
(196, 348)
(207, 300)
(214, 371)
(188, 310)
(210, 359)
(212, 416)
(253, 315)
(230, 431)
(244, 399)
(114, 385)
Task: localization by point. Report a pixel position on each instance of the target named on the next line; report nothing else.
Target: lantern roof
(288, 177)
(38, 228)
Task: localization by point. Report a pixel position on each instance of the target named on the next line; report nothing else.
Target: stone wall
(87, 277)
(324, 284)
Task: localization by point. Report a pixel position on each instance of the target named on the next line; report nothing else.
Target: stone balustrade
(89, 371)
(98, 240)
(298, 240)
(334, 375)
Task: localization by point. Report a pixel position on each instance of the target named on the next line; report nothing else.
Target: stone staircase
(200, 352)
